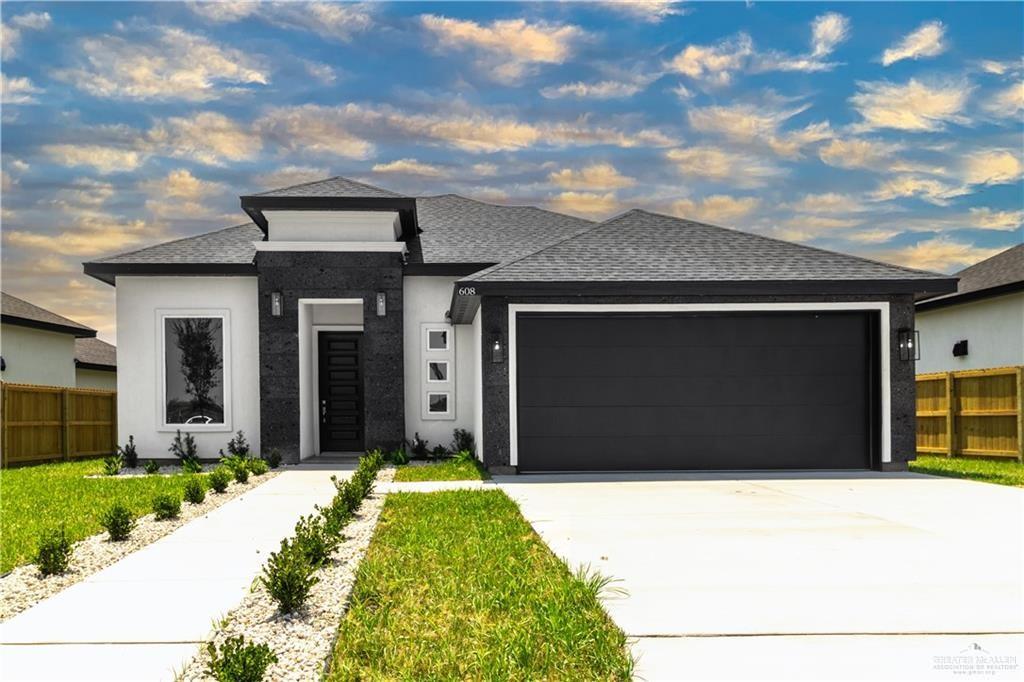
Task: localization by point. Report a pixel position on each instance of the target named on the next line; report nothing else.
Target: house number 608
(467, 291)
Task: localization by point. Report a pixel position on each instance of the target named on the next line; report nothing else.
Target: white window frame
(449, 398)
(447, 340)
(447, 371)
(162, 315)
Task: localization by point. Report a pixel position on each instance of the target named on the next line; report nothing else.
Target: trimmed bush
(219, 479)
(118, 521)
(314, 539)
(241, 473)
(194, 490)
(257, 467)
(166, 507)
(288, 577)
(398, 457)
(129, 453)
(53, 555)
(237, 465)
(112, 465)
(273, 458)
(152, 467)
(238, 661)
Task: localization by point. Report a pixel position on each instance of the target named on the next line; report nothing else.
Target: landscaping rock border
(23, 587)
(302, 641)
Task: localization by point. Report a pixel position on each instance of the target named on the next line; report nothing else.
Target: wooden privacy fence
(975, 413)
(46, 423)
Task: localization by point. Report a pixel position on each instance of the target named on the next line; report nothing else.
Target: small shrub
(237, 465)
(152, 467)
(166, 507)
(462, 440)
(349, 496)
(464, 456)
(374, 459)
(241, 473)
(398, 457)
(219, 479)
(185, 450)
(53, 555)
(238, 661)
(194, 491)
(239, 446)
(288, 577)
(419, 447)
(439, 452)
(257, 467)
(314, 540)
(118, 521)
(273, 458)
(129, 453)
(112, 465)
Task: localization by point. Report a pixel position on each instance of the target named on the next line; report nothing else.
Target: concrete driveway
(797, 575)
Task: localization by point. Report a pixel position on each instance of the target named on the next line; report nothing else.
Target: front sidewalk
(143, 617)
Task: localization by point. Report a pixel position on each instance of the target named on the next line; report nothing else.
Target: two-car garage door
(631, 391)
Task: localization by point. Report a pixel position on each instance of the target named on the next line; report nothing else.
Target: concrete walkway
(142, 618)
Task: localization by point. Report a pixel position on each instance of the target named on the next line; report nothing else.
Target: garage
(696, 390)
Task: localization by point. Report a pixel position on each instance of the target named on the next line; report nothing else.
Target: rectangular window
(437, 339)
(437, 371)
(437, 403)
(193, 370)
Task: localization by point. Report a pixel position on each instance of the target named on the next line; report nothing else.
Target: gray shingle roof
(639, 246)
(331, 187)
(461, 230)
(95, 352)
(1000, 270)
(230, 245)
(16, 310)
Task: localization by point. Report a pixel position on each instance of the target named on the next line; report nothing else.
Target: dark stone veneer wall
(330, 275)
(495, 375)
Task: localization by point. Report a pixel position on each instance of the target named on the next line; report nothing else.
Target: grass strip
(1001, 471)
(457, 585)
(445, 470)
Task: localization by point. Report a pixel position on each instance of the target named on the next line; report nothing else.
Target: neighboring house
(981, 324)
(46, 349)
(347, 316)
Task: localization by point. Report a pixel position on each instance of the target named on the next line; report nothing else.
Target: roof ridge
(328, 179)
(488, 203)
(174, 241)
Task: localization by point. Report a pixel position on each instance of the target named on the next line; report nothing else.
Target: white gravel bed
(302, 641)
(170, 469)
(23, 587)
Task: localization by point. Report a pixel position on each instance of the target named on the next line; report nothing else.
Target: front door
(341, 392)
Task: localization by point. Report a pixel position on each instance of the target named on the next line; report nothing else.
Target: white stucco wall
(35, 356)
(333, 226)
(993, 327)
(96, 378)
(425, 301)
(140, 400)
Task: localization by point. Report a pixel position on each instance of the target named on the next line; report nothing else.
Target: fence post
(113, 424)
(950, 431)
(65, 424)
(3, 424)
(1020, 414)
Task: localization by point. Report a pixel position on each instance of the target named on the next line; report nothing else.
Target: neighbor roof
(24, 314)
(95, 354)
(640, 246)
(1002, 273)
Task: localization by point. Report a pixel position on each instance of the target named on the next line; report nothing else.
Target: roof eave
(77, 332)
(254, 205)
(79, 364)
(107, 272)
(943, 301)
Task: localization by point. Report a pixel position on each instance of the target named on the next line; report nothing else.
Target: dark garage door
(695, 391)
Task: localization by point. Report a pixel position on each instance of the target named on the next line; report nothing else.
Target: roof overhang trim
(77, 332)
(106, 272)
(405, 206)
(968, 296)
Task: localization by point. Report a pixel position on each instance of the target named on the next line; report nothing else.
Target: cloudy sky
(887, 130)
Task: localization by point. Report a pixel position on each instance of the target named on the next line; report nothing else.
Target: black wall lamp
(276, 304)
(497, 349)
(908, 342)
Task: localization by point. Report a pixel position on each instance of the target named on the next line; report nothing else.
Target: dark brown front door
(341, 392)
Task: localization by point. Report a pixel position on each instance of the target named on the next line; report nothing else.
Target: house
(981, 324)
(346, 316)
(43, 348)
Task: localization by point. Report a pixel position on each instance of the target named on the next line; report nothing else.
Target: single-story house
(346, 316)
(46, 349)
(981, 324)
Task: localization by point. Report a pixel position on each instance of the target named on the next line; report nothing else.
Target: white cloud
(986, 219)
(84, 193)
(593, 177)
(939, 254)
(17, 90)
(180, 194)
(714, 64)
(992, 167)
(509, 48)
(925, 41)
(913, 106)
(316, 129)
(484, 169)
(585, 203)
(410, 167)
(33, 21)
(335, 21)
(1008, 102)
(324, 73)
(650, 11)
(927, 189)
(827, 31)
(10, 32)
(857, 153)
(605, 89)
(169, 64)
(828, 202)
(224, 11)
(713, 163)
(287, 176)
(716, 208)
(207, 137)
(758, 125)
(105, 159)
(804, 228)
(90, 233)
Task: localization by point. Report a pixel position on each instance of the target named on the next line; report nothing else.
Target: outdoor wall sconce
(382, 304)
(497, 349)
(276, 304)
(908, 342)
(960, 349)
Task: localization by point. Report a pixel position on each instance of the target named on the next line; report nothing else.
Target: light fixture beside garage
(497, 349)
(909, 344)
(276, 303)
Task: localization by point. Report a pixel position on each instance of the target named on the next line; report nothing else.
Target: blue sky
(887, 130)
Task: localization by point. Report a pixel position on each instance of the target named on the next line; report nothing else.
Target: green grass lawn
(35, 498)
(1004, 471)
(456, 585)
(445, 470)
